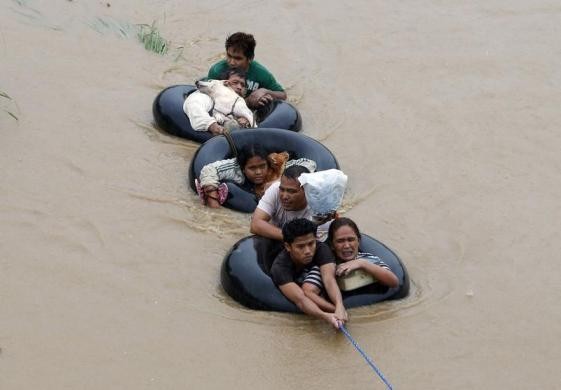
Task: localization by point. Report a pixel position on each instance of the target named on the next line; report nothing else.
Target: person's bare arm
(295, 294)
(332, 289)
(263, 96)
(381, 274)
(261, 226)
(313, 292)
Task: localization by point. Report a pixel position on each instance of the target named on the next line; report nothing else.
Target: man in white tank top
(282, 202)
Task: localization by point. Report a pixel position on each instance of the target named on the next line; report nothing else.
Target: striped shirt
(372, 259)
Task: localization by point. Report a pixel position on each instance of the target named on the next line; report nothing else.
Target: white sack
(324, 190)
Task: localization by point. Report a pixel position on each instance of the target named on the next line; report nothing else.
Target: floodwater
(445, 116)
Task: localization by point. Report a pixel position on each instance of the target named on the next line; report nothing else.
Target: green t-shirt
(257, 76)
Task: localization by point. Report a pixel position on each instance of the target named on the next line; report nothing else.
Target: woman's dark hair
(297, 228)
(252, 150)
(242, 41)
(340, 222)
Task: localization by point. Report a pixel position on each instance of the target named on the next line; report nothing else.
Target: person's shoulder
(216, 69)
(323, 253)
(257, 66)
(273, 188)
(281, 261)
(323, 247)
(281, 257)
(269, 201)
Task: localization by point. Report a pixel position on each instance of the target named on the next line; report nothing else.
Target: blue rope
(368, 360)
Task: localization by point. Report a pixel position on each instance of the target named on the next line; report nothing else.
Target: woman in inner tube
(344, 240)
(254, 169)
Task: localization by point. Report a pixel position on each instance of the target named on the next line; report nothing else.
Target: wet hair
(242, 41)
(231, 72)
(297, 228)
(338, 223)
(252, 150)
(293, 172)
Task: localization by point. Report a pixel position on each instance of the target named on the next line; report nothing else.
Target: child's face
(237, 83)
(256, 169)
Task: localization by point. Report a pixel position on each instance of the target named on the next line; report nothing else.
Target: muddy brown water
(445, 116)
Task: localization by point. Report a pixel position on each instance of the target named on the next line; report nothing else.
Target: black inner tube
(170, 117)
(245, 276)
(274, 140)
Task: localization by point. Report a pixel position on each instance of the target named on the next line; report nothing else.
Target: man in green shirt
(262, 87)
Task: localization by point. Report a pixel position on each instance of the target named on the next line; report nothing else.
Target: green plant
(152, 40)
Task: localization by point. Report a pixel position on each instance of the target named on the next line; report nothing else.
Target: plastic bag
(324, 190)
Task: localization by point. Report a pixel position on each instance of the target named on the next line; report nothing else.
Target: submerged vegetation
(152, 40)
(6, 96)
(147, 34)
